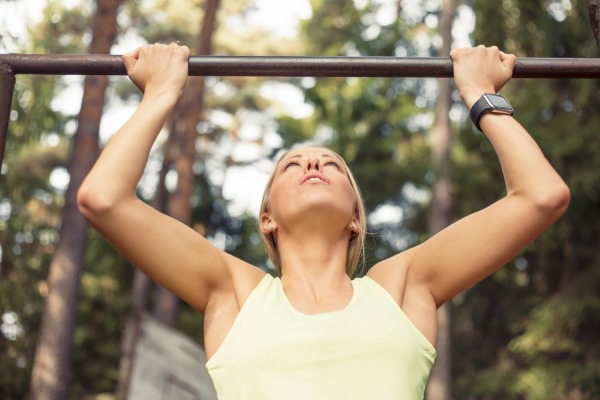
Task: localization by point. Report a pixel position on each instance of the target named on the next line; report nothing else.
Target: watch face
(499, 102)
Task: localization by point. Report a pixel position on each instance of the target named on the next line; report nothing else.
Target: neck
(314, 272)
(313, 258)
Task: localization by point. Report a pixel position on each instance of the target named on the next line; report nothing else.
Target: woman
(316, 333)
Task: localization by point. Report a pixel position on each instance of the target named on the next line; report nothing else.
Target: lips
(313, 177)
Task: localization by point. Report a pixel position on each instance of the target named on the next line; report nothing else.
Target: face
(311, 179)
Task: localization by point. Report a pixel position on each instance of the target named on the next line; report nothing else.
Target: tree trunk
(594, 11)
(141, 287)
(438, 387)
(189, 112)
(52, 363)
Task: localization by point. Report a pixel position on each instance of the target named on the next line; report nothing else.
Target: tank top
(368, 350)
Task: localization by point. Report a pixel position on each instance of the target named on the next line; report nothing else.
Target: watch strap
(494, 103)
(482, 105)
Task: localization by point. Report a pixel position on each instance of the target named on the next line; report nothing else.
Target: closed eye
(334, 164)
(290, 164)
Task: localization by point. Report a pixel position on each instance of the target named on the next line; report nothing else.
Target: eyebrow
(302, 156)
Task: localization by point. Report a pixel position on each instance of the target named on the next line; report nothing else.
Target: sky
(243, 186)
(279, 17)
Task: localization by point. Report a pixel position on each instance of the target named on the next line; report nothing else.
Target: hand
(158, 68)
(479, 70)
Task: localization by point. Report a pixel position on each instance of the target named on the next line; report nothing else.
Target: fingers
(491, 51)
(480, 50)
(480, 70)
(158, 68)
(155, 51)
(173, 46)
(482, 57)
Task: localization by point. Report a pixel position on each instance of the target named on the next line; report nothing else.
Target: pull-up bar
(417, 67)
(409, 67)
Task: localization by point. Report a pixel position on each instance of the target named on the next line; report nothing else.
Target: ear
(353, 225)
(266, 223)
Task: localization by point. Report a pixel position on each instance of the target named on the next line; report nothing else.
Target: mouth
(313, 178)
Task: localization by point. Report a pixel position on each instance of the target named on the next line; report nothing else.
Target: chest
(273, 351)
(362, 335)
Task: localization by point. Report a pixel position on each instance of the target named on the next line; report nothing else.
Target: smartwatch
(489, 102)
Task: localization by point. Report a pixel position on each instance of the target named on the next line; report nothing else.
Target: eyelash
(290, 163)
(335, 164)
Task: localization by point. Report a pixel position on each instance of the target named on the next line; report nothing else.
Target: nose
(313, 164)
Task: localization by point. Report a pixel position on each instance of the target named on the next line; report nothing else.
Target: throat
(318, 299)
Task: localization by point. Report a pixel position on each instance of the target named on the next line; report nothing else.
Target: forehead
(310, 152)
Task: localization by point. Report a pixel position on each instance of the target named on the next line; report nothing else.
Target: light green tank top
(368, 350)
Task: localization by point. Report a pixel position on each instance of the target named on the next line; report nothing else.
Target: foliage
(371, 122)
(29, 223)
(103, 306)
(527, 332)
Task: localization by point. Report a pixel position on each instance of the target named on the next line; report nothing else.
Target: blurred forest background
(528, 332)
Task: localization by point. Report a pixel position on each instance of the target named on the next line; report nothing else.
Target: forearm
(121, 164)
(536, 195)
(527, 173)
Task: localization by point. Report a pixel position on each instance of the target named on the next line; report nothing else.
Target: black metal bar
(417, 67)
(7, 86)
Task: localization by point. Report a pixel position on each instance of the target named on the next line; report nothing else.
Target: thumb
(508, 60)
(130, 59)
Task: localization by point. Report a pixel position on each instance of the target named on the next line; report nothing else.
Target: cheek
(277, 195)
(278, 189)
(353, 200)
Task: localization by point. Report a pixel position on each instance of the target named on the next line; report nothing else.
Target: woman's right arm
(169, 252)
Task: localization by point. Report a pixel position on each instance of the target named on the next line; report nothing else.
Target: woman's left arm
(476, 246)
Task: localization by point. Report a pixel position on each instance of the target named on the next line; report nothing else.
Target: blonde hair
(356, 245)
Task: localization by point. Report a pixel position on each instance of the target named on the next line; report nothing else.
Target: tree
(438, 387)
(187, 115)
(527, 332)
(139, 292)
(51, 369)
(594, 11)
(372, 122)
(30, 198)
(514, 340)
(30, 203)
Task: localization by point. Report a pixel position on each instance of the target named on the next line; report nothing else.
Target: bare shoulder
(396, 275)
(244, 278)
(400, 276)
(392, 274)
(225, 304)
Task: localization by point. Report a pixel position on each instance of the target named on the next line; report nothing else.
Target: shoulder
(227, 299)
(391, 274)
(244, 278)
(400, 276)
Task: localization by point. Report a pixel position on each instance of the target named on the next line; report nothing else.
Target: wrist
(470, 97)
(168, 97)
(489, 103)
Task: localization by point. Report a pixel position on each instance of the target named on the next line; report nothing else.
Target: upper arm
(426, 276)
(168, 251)
(476, 246)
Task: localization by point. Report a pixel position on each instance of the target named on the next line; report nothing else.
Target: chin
(326, 209)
